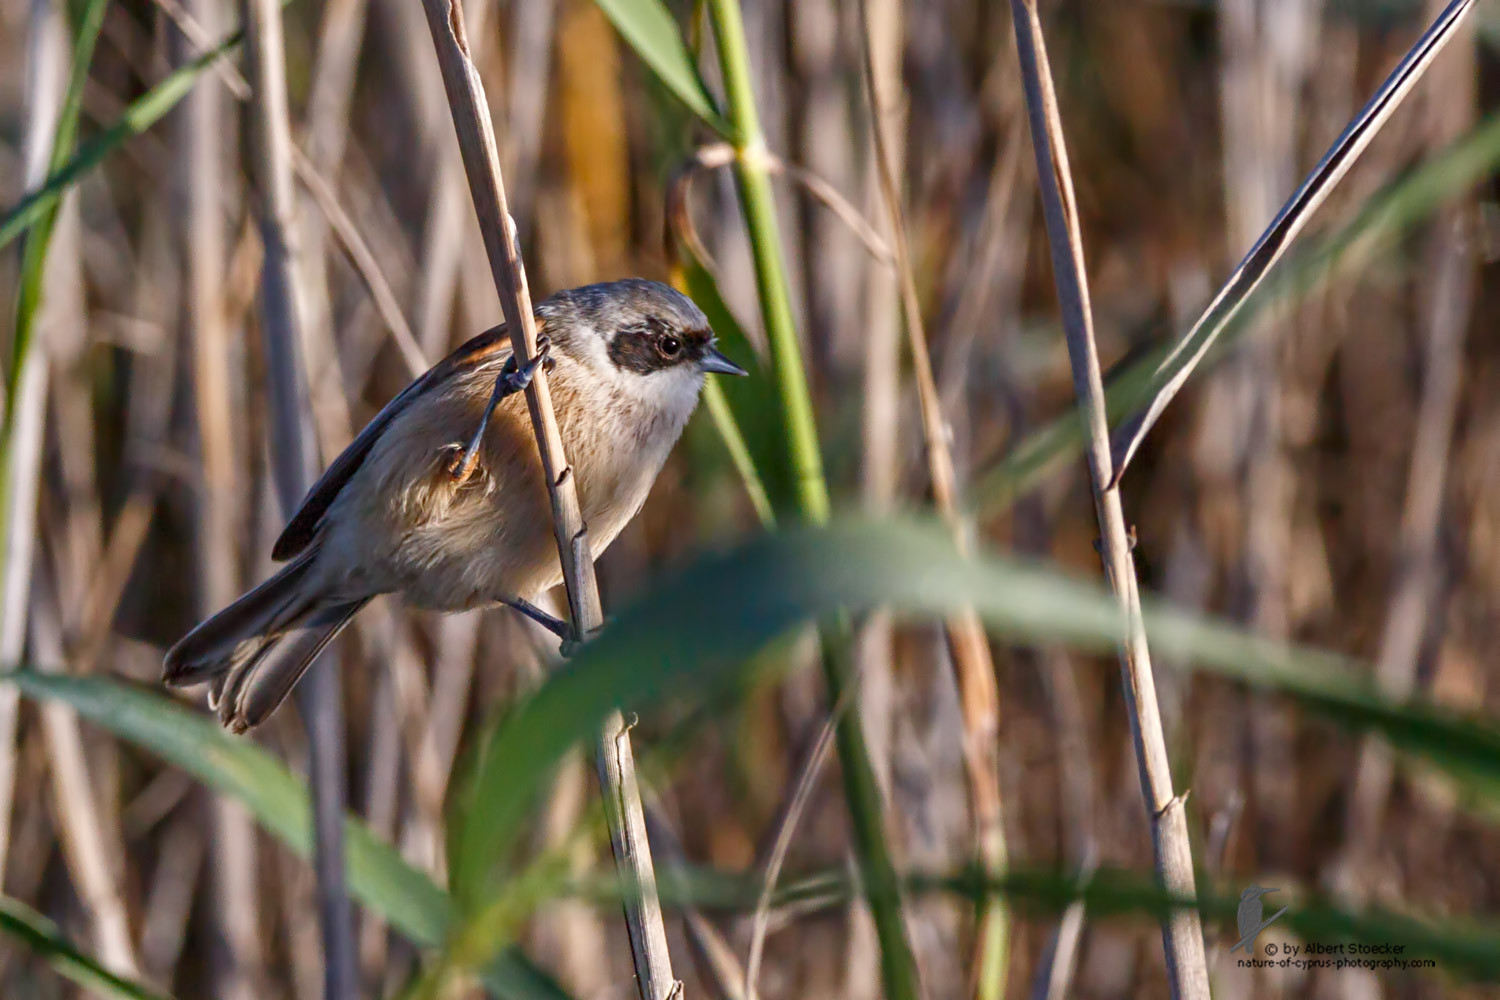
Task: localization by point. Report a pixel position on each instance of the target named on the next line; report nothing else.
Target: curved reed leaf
(697, 629)
(648, 28)
(1460, 946)
(378, 876)
(39, 936)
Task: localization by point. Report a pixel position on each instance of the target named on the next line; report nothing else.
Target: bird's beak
(714, 361)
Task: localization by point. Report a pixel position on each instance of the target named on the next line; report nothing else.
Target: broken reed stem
(294, 459)
(1182, 933)
(974, 670)
(614, 760)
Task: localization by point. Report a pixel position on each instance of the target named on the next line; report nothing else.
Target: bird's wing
(493, 344)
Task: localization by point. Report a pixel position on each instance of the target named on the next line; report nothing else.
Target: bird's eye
(669, 346)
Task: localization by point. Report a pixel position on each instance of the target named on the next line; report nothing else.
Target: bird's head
(643, 339)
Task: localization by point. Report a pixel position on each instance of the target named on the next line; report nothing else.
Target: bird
(442, 498)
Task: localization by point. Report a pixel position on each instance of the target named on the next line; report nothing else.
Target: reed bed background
(221, 255)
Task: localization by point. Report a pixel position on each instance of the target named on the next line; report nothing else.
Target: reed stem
(866, 809)
(615, 763)
(1182, 930)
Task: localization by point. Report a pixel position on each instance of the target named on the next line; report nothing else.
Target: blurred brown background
(1335, 480)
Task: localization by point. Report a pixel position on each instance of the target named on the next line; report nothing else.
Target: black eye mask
(650, 347)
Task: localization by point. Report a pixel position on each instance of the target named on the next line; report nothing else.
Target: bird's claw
(456, 470)
(569, 648)
(518, 377)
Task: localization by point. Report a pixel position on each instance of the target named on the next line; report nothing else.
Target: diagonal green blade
(696, 630)
(144, 112)
(378, 876)
(38, 934)
(648, 28)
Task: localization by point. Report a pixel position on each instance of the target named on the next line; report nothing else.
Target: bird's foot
(568, 646)
(517, 378)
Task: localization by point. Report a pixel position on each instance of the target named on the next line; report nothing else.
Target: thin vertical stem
(93, 862)
(235, 881)
(1447, 300)
(1182, 933)
(294, 457)
(974, 670)
(862, 792)
(615, 762)
(26, 400)
(770, 272)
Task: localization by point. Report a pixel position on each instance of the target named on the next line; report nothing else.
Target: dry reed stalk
(590, 120)
(1059, 963)
(714, 957)
(363, 259)
(378, 261)
(989, 284)
(236, 881)
(314, 178)
(85, 825)
(412, 703)
(1270, 51)
(382, 790)
(46, 70)
(93, 863)
(712, 954)
(532, 26)
(974, 670)
(107, 587)
(828, 147)
(1447, 300)
(1182, 933)
(880, 47)
(294, 455)
(168, 902)
(340, 38)
(83, 764)
(570, 935)
(807, 778)
(441, 253)
(457, 639)
(880, 451)
(616, 767)
(1076, 778)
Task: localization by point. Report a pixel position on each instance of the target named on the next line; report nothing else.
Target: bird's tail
(256, 649)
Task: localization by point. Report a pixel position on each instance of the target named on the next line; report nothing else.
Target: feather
(491, 346)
